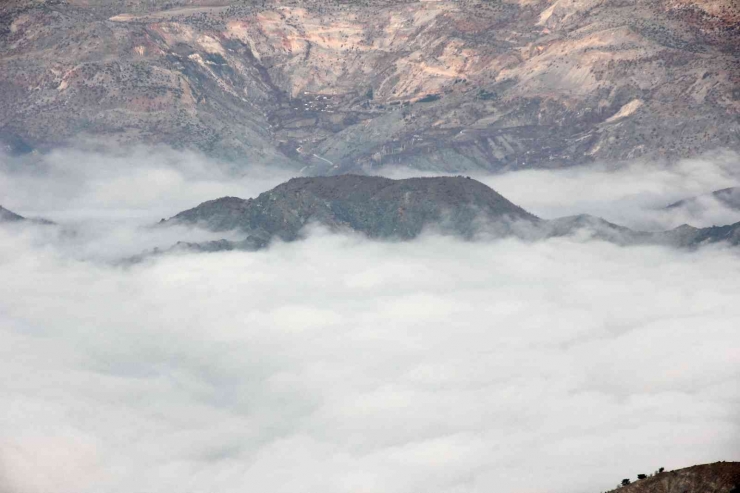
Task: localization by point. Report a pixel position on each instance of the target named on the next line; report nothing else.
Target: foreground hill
(402, 209)
(719, 477)
(336, 86)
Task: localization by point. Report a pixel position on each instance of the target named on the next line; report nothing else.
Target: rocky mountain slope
(334, 86)
(719, 477)
(402, 209)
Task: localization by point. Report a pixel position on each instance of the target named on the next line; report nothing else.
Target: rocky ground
(336, 86)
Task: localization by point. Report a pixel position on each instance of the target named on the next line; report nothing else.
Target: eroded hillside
(342, 86)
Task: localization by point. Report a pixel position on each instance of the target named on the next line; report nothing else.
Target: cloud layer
(341, 365)
(633, 195)
(338, 364)
(142, 182)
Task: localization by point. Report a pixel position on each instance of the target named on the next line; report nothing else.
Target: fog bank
(337, 364)
(630, 194)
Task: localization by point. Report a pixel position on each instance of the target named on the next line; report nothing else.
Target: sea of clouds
(338, 364)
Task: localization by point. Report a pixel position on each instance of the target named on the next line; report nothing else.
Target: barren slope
(343, 86)
(719, 477)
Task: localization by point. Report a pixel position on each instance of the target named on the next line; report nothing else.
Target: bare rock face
(338, 86)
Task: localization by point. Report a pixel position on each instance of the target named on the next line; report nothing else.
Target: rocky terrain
(333, 86)
(719, 477)
(403, 209)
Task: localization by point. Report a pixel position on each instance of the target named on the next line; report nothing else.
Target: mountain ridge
(333, 86)
(403, 209)
(8, 216)
(729, 197)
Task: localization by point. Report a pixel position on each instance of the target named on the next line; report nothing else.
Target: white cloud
(338, 364)
(138, 183)
(632, 195)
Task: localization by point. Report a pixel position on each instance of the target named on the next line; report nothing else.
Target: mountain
(690, 237)
(375, 206)
(719, 477)
(9, 216)
(339, 86)
(402, 209)
(729, 197)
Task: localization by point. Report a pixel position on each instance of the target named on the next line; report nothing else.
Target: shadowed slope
(9, 216)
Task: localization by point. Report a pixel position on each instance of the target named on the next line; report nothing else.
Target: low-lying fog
(338, 364)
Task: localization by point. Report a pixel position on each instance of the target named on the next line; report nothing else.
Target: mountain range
(399, 210)
(332, 86)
